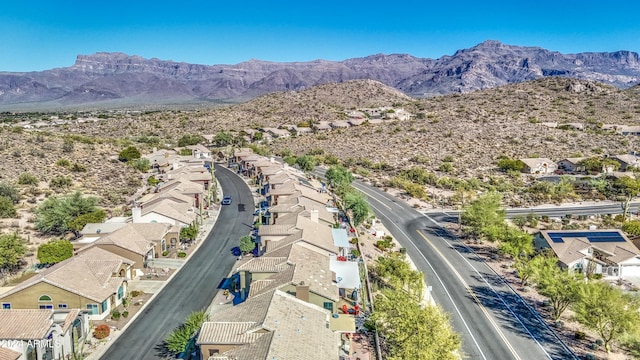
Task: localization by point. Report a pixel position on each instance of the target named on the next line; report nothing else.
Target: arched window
(45, 298)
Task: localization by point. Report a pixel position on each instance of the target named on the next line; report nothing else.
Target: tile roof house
(607, 252)
(165, 212)
(571, 164)
(138, 242)
(95, 280)
(538, 166)
(41, 334)
(627, 161)
(273, 325)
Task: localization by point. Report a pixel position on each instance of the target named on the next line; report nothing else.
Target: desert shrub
(28, 178)
(115, 314)
(60, 182)
(136, 293)
(101, 331)
(579, 335)
(355, 252)
(125, 314)
(63, 162)
(182, 254)
(7, 210)
(165, 253)
(78, 168)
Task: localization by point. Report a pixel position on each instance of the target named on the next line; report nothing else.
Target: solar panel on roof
(594, 237)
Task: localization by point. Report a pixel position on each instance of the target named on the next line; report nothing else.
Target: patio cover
(340, 238)
(347, 273)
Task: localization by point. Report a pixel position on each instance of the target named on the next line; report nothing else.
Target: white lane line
(492, 289)
(437, 277)
(468, 288)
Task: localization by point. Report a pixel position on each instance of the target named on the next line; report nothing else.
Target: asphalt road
(194, 286)
(493, 321)
(549, 210)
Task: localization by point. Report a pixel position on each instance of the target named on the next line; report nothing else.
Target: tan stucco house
(95, 280)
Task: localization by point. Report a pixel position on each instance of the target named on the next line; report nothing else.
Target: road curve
(194, 286)
(492, 319)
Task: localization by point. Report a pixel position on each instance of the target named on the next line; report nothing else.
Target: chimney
(302, 291)
(272, 159)
(155, 149)
(315, 216)
(136, 214)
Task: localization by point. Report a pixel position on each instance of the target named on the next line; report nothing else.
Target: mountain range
(117, 79)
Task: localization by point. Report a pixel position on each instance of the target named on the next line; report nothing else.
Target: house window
(93, 309)
(120, 292)
(44, 298)
(6, 306)
(104, 307)
(328, 305)
(45, 306)
(62, 306)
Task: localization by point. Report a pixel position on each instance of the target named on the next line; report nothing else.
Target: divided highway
(494, 323)
(194, 286)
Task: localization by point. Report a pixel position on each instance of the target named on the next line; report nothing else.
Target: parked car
(226, 200)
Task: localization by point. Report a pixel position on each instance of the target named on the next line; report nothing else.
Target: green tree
(222, 138)
(7, 210)
(507, 164)
(9, 191)
(561, 287)
(55, 251)
(339, 179)
(516, 243)
(12, 249)
(483, 213)
(141, 164)
(190, 139)
(306, 162)
(179, 338)
(359, 207)
(627, 188)
(412, 331)
(394, 271)
(607, 310)
(129, 153)
(189, 232)
(596, 164)
(246, 244)
(632, 227)
(77, 224)
(55, 215)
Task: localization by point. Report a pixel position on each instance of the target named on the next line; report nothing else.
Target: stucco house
(606, 252)
(95, 280)
(627, 161)
(39, 334)
(571, 164)
(273, 325)
(138, 242)
(539, 166)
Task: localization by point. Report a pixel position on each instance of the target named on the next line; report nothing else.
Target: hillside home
(42, 334)
(571, 165)
(95, 280)
(607, 252)
(538, 166)
(627, 161)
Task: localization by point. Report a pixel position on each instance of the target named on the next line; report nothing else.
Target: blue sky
(38, 35)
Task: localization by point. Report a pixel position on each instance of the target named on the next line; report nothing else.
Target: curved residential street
(194, 286)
